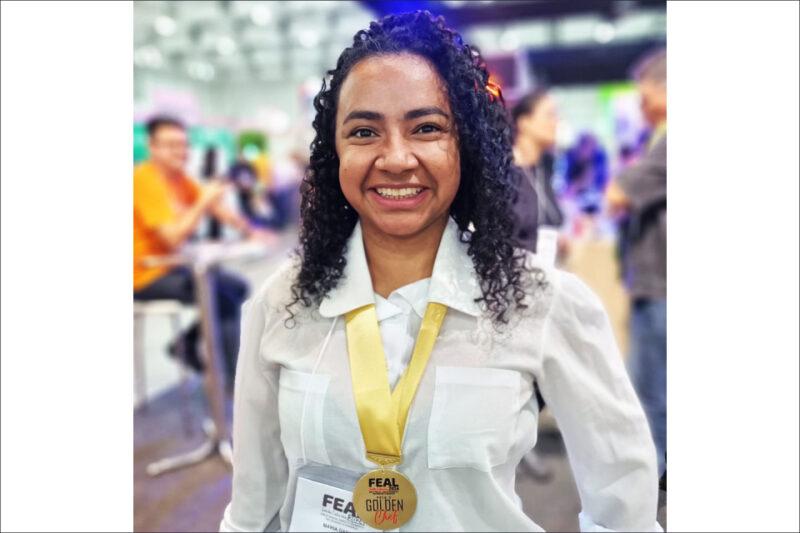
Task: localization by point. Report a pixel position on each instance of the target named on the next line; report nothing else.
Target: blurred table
(204, 258)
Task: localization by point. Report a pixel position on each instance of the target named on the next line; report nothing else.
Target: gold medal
(384, 499)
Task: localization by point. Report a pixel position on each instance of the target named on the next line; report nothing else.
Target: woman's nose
(397, 157)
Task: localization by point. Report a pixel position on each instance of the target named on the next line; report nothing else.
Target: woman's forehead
(392, 84)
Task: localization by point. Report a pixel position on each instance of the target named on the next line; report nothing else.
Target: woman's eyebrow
(424, 111)
(364, 115)
(410, 115)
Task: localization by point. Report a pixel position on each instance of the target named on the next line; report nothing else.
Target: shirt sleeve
(645, 182)
(260, 470)
(193, 189)
(608, 441)
(150, 200)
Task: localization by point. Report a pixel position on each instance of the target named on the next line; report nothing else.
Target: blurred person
(535, 119)
(406, 233)
(209, 173)
(266, 206)
(640, 192)
(628, 155)
(168, 206)
(262, 164)
(250, 192)
(587, 173)
(242, 171)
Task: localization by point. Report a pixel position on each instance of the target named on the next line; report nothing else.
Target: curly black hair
(482, 208)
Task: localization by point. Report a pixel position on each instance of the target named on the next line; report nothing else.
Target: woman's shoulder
(275, 292)
(559, 291)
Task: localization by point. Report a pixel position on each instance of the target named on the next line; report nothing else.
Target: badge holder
(323, 500)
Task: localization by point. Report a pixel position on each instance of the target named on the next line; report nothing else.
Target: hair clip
(495, 93)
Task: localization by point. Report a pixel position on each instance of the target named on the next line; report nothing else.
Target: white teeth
(407, 192)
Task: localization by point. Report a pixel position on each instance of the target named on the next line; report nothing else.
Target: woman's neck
(397, 261)
(526, 152)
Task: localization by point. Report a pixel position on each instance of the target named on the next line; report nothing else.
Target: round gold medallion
(384, 499)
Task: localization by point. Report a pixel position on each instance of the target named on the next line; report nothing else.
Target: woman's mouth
(398, 194)
(399, 197)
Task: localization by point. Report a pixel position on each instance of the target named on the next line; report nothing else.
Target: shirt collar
(407, 299)
(453, 281)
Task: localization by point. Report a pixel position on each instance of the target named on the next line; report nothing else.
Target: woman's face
(541, 124)
(399, 165)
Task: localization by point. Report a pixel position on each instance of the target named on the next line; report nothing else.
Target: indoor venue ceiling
(292, 40)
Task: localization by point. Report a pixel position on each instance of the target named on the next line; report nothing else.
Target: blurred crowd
(566, 195)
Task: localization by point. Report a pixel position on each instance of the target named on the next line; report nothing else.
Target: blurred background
(242, 75)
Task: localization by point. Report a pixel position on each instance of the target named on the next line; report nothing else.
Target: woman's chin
(402, 226)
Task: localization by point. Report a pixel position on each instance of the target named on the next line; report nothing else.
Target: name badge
(323, 500)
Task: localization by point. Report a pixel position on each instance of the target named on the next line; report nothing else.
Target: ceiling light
(165, 26)
(148, 56)
(201, 70)
(261, 15)
(226, 46)
(604, 32)
(308, 38)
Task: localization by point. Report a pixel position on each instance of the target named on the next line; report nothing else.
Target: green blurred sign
(253, 139)
(140, 152)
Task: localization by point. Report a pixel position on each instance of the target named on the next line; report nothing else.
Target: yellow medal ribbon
(382, 413)
(383, 498)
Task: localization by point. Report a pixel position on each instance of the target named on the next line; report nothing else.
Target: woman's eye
(362, 133)
(428, 128)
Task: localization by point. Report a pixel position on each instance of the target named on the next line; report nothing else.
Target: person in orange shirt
(167, 208)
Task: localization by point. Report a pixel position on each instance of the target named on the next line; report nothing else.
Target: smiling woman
(386, 377)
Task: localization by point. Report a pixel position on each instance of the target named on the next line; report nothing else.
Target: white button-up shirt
(399, 318)
(474, 415)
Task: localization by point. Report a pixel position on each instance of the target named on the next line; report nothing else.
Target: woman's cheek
(448, 170)
(350, 177)
(344, 181)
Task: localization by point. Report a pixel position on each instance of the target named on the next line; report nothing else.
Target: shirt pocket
(301, 406)
(473, 417)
